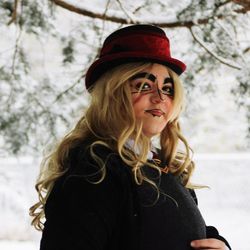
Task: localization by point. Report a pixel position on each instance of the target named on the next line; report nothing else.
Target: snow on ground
(18, 245)
(225, 204)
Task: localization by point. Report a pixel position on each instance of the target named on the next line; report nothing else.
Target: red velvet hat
(136, 43)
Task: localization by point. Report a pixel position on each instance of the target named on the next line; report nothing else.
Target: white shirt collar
(130, 144)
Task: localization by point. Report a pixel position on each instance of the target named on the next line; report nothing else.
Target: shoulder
(83, 183)
(96, 163)
(92, 156)
(193, 194)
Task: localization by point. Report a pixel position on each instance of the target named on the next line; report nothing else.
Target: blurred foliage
(38, 106)
(68, 51)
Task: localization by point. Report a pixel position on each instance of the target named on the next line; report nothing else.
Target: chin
(151, 134)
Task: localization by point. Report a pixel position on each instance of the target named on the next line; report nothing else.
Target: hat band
(138, 43)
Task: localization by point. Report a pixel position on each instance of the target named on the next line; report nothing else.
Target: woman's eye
(143, 86)
(168, 90)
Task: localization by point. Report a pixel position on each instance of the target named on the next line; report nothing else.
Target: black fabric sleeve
(211, 231)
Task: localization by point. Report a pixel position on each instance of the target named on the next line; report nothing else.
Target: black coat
(117, 214)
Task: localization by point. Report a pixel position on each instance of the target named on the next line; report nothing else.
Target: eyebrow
(168, 80)
(144, 75)
(151, 77)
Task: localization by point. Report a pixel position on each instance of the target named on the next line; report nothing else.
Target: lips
(155, 112)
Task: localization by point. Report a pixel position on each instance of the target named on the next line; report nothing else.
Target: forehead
(153, 72)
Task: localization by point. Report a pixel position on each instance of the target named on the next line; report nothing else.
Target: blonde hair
(111, 104)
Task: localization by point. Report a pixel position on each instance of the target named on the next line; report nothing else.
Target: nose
(157, 96)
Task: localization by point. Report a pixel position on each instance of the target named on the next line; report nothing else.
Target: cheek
(169, 108)
(136, 99)
(138, 105)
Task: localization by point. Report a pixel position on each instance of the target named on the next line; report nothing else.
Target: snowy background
(215, 127)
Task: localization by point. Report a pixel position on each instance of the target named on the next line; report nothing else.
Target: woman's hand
(209, 244)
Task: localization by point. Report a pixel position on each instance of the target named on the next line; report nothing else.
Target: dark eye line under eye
(168, 87)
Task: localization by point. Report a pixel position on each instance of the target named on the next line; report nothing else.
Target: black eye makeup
(168, 80)
(142, 86)
(168, 89)
(145, 83)
(142, 75)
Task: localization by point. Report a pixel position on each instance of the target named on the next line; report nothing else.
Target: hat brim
(102, 65)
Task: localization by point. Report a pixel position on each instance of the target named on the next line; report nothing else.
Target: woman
(106, 186)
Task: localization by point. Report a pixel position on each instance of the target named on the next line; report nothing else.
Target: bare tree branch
(13, 66)
(246, 50)
(223, 3)
(17, 42)
(129, 15)
(221, 60)
(122, 20)
(138, 8)
(60, 95)
(103, 25)
(245, 6)
(14, 13)
(89, 13)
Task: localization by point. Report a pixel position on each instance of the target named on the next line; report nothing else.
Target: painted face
(152, 97)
